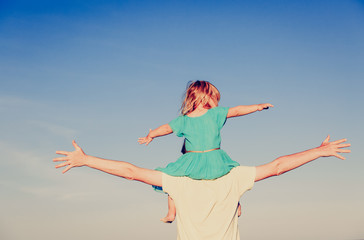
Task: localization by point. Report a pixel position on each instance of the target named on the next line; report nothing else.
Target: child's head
(200, 92)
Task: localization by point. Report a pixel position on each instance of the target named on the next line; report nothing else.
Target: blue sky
(104, 72)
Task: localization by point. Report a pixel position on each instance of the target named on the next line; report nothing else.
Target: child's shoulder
(219, 109)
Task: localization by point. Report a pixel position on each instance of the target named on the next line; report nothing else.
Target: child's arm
(246, 109)
(160, 131)
(290, 162)
(126, 170)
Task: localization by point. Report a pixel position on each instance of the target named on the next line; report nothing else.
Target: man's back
(207, 209)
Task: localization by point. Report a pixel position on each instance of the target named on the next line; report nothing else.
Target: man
(206, 209)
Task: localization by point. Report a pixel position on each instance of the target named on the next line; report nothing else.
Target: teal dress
(201, 133)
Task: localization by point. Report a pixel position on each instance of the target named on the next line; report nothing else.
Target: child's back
(203, 159)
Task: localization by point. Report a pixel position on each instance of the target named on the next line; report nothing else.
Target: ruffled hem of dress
(208, 166)
(160, 189)
(200, 166)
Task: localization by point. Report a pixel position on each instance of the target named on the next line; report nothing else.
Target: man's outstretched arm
(287, 163)
(126, 170)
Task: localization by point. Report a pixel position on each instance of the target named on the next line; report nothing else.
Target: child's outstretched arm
(246, 109)
(126, 170)
(289, 162)
(160, 131)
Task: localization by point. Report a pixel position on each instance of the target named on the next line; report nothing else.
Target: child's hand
(145, 140)
(264, 106)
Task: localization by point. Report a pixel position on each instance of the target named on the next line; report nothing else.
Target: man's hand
(328, 148)
(76, 158)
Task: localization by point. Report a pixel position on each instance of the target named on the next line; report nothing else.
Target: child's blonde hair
(199, 92)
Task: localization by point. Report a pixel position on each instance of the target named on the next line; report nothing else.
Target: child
(200, 124)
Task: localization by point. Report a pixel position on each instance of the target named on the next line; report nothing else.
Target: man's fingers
(339, 141)
(327, 139)
(343, 150)
(75, 144)
(60, 159)
(339, 156)
(66, 169)
(62, 152)
(62, 164)
(344, 145)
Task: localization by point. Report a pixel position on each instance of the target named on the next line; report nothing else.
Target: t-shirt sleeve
(221, 114)
(245, 178)
(170, 185)
(177, 126)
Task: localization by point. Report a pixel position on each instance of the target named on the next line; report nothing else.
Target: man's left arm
(289, 162)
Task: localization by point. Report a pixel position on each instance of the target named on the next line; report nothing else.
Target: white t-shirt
(207, 209)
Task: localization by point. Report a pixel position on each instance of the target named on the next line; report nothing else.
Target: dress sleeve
(221, 114)
(177, 126)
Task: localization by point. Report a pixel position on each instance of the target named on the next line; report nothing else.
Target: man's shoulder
(241, 170)
(244, 176)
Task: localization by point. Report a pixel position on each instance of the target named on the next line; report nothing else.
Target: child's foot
(168, 219)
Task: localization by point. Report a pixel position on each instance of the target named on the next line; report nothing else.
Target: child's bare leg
(171, 211)
(239, 209)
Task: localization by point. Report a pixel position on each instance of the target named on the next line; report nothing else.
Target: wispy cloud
(16, 101)
(55, 193)
(34, 110)
(23, 161)
(55, 129)
(59, 193)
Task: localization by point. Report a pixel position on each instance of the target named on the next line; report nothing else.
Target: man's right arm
(289, 162)
(126, 170)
